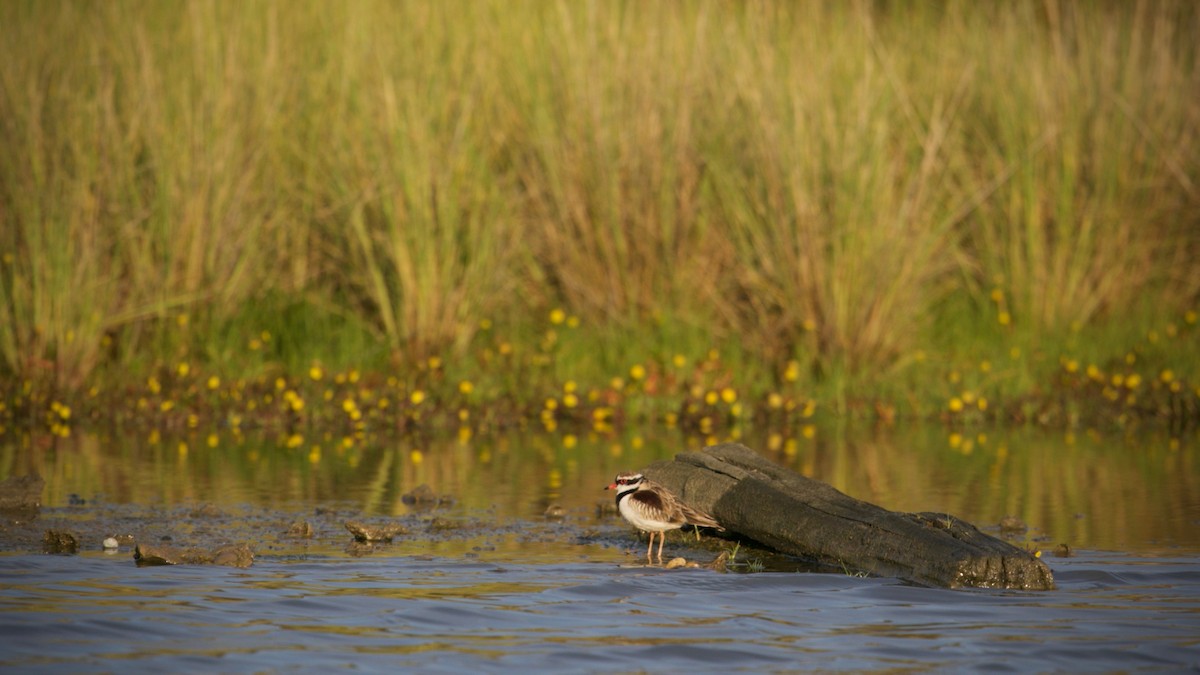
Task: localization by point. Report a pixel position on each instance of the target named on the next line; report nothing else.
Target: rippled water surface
(94, 612)
(510, 589)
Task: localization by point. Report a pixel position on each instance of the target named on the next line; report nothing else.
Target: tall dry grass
(801, 180)
(134, 183)
(833, 180)
(1094, 151)
(416, 228)
(608, 122)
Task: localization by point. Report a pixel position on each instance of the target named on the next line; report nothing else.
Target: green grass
(882, 208)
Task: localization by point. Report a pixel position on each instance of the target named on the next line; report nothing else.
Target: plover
(653, 509)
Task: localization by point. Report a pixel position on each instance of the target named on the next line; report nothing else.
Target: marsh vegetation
(490, 214)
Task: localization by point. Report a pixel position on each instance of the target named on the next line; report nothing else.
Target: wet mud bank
(238, 535)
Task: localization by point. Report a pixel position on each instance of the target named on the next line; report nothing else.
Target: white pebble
(110, 543)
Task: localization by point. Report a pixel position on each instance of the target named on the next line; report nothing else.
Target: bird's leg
(662, 537)
(697, 529)
(650, 546)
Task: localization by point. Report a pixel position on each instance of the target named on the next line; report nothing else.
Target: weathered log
(757, 499)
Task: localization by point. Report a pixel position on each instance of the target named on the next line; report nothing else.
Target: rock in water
(60, 542)
(374, 533)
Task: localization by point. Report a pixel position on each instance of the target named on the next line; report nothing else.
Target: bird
(652, 508)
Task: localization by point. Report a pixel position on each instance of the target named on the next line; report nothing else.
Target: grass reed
(851, 202)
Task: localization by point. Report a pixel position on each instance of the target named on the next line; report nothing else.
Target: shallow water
(513, 590)
(95, 612)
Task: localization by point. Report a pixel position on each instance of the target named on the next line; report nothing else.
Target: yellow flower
(184, 369)
(416, 456)
(808, 431)
(416, 397)
(153, 385)
(1004, 318)
(569, 386)
(711, 397)
(1166, 376)
(637, 372)
(792, 373)
(214, 382)
(679, 360)
(316, 373)
(570, 400)
(774, 401)
(956, 404)
(557, 316)
(435, 362)
(569, 441)
(167, 405)
(728, 395)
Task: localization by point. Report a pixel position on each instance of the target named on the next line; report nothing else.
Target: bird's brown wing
(680, 512)
(659, 505)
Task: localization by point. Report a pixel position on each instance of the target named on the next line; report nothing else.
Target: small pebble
(111, 543)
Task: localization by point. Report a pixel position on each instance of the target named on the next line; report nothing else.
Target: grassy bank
(678, 211)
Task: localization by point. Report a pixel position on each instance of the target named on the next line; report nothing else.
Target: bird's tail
(697, 518)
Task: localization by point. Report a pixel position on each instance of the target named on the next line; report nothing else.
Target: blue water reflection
(91, 612)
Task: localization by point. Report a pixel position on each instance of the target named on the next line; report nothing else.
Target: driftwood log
(757, 499)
